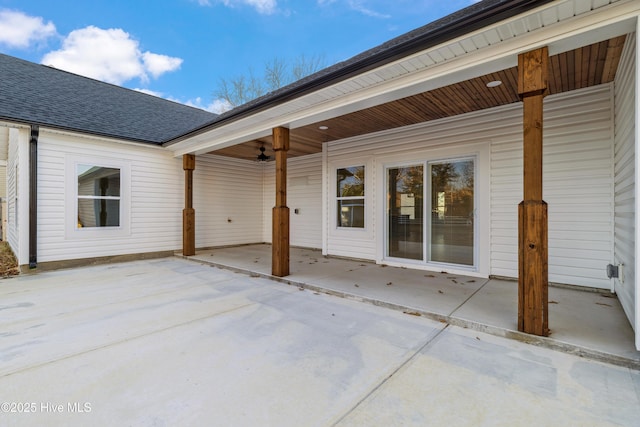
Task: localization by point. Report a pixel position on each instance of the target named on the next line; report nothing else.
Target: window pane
(98, 213)
(351, 213)
(98, 181)
(452, 188)
(98, 196)
(351, 182)
(406, 213)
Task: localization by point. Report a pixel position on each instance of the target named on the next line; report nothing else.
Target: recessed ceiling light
(323, 127)
(494, 83)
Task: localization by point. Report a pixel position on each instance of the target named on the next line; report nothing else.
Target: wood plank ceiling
(587, 66)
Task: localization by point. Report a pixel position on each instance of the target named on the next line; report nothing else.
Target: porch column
(188, 213)
(280, 234)
(533, 316)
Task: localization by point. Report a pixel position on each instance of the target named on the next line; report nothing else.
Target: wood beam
(533, 313)
(188, 213)
(280, 230)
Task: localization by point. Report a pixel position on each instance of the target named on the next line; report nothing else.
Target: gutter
(33, 196)
(448, 28)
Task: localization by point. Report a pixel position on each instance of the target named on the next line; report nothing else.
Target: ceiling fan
(262, 157)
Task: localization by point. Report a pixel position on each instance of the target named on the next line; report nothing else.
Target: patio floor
(586, 323)
(175, 342)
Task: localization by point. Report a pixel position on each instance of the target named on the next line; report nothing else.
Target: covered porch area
(587, 323)
(434, 101)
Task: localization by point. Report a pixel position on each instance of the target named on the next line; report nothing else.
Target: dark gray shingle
(37, 94)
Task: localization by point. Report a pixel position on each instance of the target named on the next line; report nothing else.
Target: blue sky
(180, 49)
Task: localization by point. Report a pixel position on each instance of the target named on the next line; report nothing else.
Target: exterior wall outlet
(615, 272)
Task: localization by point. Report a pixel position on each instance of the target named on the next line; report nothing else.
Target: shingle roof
(37, 94)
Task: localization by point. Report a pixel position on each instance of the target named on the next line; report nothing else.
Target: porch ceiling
(583, 67)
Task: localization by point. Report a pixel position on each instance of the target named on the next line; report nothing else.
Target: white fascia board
(581, 30)
(99, 138)
(14, 125)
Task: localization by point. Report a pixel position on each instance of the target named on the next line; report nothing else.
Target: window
(98, 196)
(350, 197)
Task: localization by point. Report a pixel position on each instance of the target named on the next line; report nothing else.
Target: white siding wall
(155, 206)
(227, 201)
(624, 176)
(223, 189)
(17, 199)
(578, 182)
(3, 181)
(578, 186)
(269, 199)
(4, 143)
(304, 192)
(446, 138)
(352, 242)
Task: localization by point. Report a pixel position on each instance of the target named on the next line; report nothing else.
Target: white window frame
(72, 231)
(347, 198)
(482, 189)
(365, 232)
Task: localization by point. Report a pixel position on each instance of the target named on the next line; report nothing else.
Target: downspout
(33, 196)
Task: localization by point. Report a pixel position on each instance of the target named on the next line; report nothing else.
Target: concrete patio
(175, 342)
(586, 323)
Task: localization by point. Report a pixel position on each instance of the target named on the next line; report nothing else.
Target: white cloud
(19, 30)
(218, 106)
(358, 6)
(160, 64)
(109, 55)
(149, 92)
(265, 7)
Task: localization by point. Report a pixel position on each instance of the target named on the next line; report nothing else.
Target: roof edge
(22, 122)
(471, 19)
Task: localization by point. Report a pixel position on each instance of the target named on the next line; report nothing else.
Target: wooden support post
(280, 232)
(533, 314)
(188, 214)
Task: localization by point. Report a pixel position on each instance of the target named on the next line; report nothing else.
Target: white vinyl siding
(344, 241)
(155, 193)
(304, 192)
(3, 182)
(624, 176)
(578, 181)
(227, 200)
(17, 197)
(224, 189)
(578, 187)
(12, 182)
(452, 137)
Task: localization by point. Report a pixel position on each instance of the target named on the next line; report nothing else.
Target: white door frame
(481, 152)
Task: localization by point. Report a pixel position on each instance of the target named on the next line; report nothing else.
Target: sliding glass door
(446, 234)
(406, 212)
(452, 212)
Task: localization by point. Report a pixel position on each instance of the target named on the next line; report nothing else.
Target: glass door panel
(405, 236)
(452, 211)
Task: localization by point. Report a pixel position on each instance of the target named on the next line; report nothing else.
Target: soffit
(584, 67)
(424, 85)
